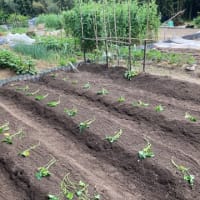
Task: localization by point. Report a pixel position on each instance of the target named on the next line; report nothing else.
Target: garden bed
(112, 170)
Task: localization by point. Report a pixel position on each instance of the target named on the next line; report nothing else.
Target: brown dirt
(114, 171)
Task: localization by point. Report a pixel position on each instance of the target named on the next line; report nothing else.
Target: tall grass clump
(52, 21)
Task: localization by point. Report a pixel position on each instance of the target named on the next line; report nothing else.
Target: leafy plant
(26, 152)
(8, 137)
(121, 99)
(159, 108)
(190, 117)
(115, 137)
(71, 112)
(140, 104)
(185, 172)
(102, 92)
(32, 93)
(87, 86)
(53, 197)
(44, 170)
(4, 127)
(41, 97)
(24, 89)
(85, 124)
(54, 103)
(146, 152)
(129, 74)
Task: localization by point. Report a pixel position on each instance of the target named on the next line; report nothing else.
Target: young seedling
(185, 172)
(24, 89)
(32, 93)
(26, 152)
(129, 74)
(54, 103)
(115, 137)
(41, 97)
(65, 79)
(4, 127)
(146, 151)
(85, 124)
(44, 170)
(159, 108)
(190, 117)
(102, 92)
(8, 138)
(53, 197)
(87, 86)
(74, 82)
(71, 112)
(121, 99)
(140, 104)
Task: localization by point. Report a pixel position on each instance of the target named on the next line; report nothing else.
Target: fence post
(144, 58)
(129, 56)
(84, 52)
(106, 53)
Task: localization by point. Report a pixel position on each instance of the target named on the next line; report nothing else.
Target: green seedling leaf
(74, 82)
(82, 184)
(87, 86)
(71, 112)
(26, 152)
(44, 170)
(146, 152)
(115, 137)
(159, 108)
(190, 117)
(121, 99)
(140, 104)
(97, 197)
(24, 89)
(53, 197)
(85, 124)
(4, 127)
(32, 93)
(129, 74)
(41, 97)
(103, 92)
(65, 79)
(70, 195)
(185, 172)
(8, 138)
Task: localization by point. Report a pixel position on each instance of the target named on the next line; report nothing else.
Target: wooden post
(144, 58)
(84, 52)
(129, 56)
(106, 53)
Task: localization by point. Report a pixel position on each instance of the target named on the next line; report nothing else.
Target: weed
(24, 89)
(115, 137)
(53, 103)
(140, 104)
(121, 99)
(44, 170)
(185, 172)
(32, 93)
(8, 138)
(129, 74)
(146, 151)
(87, 86)
(4, 127)
(71, 112)
(85, 124)
(190, 117)
(26, 152)
(159, 108)
(102, 92)
(41, 97)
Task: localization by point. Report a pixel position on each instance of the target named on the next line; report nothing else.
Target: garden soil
(112, 170)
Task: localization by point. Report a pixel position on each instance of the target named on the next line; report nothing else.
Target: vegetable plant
(9, 138)
(129, 74)
(159, 108)
(146, 152)
(71, 112)
(54, 103)
(32, 93)
(24, 89)
(121, 99)
(140, 104)
(41, 97)
(85, 124)
(87, 86)
(190, 117)
(115, 137)
(185, 172)
(44, 170)
(53, 197)
(102, 92)
(26, 152)
(4, 127)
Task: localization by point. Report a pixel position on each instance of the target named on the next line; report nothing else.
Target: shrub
(197, 22)
(17, 20)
